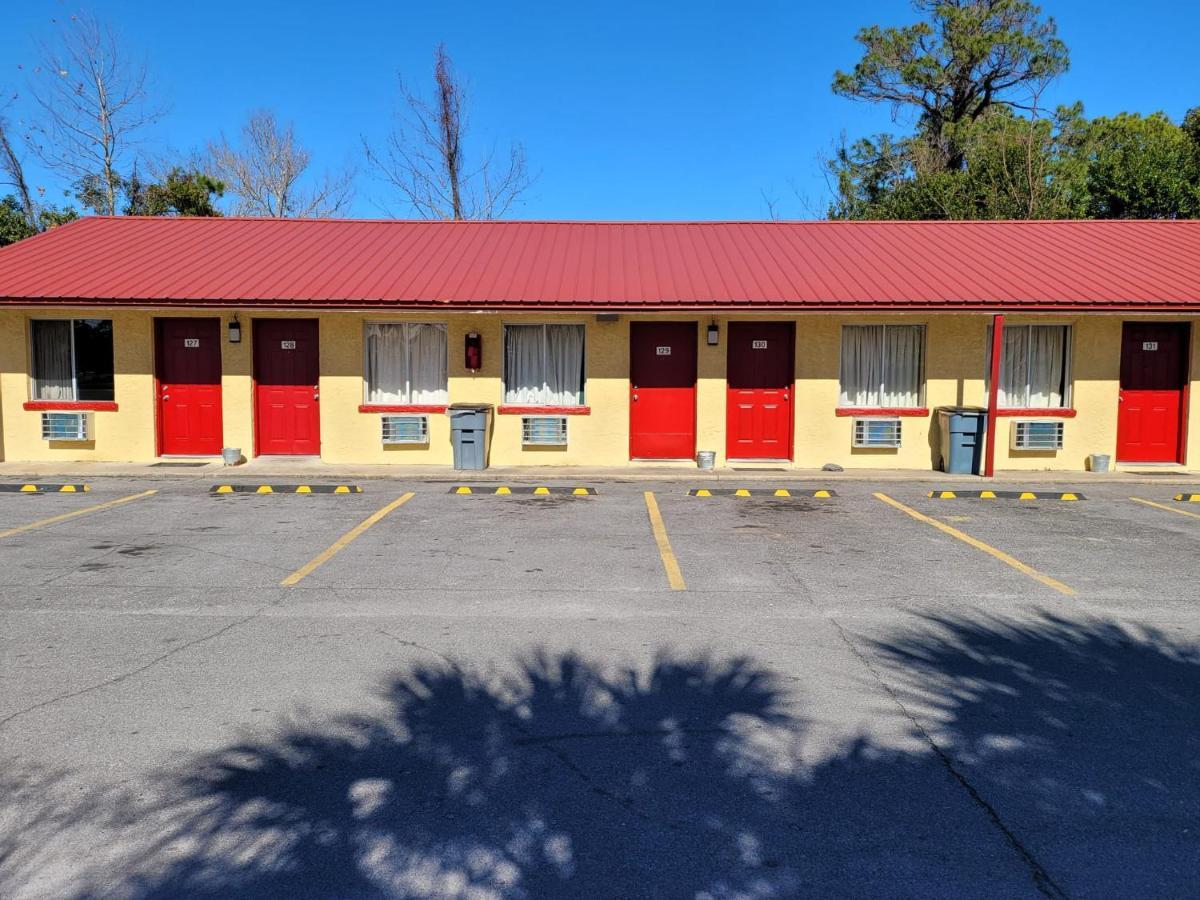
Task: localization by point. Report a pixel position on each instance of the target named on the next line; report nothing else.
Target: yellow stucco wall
(955, 355)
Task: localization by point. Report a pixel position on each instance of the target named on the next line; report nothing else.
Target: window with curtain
(882, 366)
(1033, 367)
(72, 359)
(543, 365)
(406, 363)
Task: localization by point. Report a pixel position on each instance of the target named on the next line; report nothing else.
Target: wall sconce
(235, 331)
(714, 334)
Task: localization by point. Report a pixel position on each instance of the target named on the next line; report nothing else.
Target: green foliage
(965, 58)
(1144, 167)
(182, 192)
(13, 226)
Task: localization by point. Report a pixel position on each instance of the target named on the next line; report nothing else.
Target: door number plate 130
(758, 345)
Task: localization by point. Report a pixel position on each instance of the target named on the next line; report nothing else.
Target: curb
(504, 490)
(285, 489)
(44, 488)
(765, 492)
(1006, 495)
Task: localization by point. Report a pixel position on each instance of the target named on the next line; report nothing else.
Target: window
(543, 365)
(1033, 367)
(406, 364)
(882, 366)
(72, 359)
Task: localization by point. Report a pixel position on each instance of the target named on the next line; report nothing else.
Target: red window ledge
(1037, 413)
(887, 411)
(71, 405)
(402, 408)
(544, 410)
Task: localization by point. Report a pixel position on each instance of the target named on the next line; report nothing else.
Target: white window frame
(367, 401)
(1068, 390)
(71, 320)
(504, 371)
(920, 366)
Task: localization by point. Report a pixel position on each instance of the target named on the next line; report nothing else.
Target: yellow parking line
(341, 543)
(980, 545)
(1182, 512)
(42, 523)
(670, 563)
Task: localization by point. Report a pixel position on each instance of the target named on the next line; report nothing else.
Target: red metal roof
(334, 263)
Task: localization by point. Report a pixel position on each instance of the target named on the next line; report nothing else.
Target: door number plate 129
(287, 345)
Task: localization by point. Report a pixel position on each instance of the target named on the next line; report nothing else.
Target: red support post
(989, 458)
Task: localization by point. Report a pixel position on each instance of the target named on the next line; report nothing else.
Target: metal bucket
(231, 455)
(706, 459)
(1099, 462)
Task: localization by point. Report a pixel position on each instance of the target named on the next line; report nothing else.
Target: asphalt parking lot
(416, 691)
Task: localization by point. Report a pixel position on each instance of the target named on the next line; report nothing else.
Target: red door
(758, 421)
(1154, 374)
(662, 397)
(286, 404)
(189, 386)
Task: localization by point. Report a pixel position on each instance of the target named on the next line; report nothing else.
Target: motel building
(789, 345)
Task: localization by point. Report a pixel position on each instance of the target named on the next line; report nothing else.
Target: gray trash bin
(962, 435)
(469, 434)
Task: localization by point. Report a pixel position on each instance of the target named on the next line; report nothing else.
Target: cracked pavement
(488, 696)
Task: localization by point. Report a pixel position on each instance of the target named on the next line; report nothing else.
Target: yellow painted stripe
(304, 489)
(42, 523)
(341, 543)
(1182, 512)
(783, 493)
(987, 495)
(823, 494)
(1069, 497)
(703, 493)
(541, 490)
(741, 492)
(980, 545)
(1027, 495)
(580, 491)
(29, 488)
(503, 490)
(225, 489)
(670, 563)
(67, 489)
(264, 489)
(341, 489)
(463, 490)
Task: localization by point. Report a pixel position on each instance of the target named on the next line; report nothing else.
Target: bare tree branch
(93, 104)
(267, 173)
(424, 159)
(12, 174)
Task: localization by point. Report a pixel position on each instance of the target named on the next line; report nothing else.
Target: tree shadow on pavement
(1067, 764)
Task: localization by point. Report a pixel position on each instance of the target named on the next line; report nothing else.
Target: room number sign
(1149, 345)
(287, 345)
(758, 345)
(191, 343)
(663, 351)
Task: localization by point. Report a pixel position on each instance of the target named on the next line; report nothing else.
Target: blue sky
(629, 110)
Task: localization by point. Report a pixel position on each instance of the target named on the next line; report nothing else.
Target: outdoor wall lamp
(235, 330)
(714, 334)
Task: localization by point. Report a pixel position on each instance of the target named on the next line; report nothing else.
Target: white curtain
(543, 365)
(406, 363)
(53, 375)
(881, 366)
(1033, 367)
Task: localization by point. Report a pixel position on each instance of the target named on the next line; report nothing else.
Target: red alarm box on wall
(474, 351)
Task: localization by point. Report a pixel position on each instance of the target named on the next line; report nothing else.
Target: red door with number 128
(287, 394)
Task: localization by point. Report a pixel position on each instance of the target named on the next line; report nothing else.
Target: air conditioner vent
(66, 426)
(405, 429)
(544, 431)
(877, 432)
(1036, 434)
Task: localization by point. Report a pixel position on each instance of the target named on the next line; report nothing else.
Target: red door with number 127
(189, 386)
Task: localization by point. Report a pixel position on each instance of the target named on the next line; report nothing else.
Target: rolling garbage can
(962, 435)
(469, 434)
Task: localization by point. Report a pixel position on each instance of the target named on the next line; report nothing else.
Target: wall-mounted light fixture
(235, 330)
(714, 334)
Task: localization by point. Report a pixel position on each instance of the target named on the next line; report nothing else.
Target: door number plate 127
(191, 343)
(287, 345)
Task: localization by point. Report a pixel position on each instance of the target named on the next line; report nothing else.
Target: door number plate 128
(663, 351)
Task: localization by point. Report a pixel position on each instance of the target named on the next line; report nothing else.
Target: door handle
(635, 396)
(166, 396)
(785, 397)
